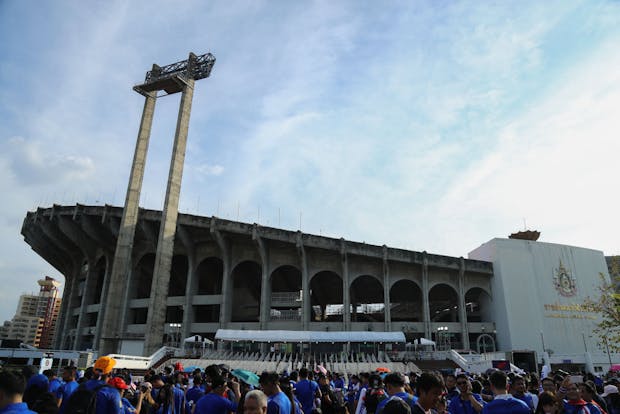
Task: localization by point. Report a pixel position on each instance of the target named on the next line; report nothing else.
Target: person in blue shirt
(518, 390)
(194, 394)
(503, 403)
(214, 402)
(68, 388)
(121, 386)
(108, 399)
(54, 381)
(465, 402)
(574, 404)
(277, 401)
(178, 395)
(395, 387)
(12, 386)
(338, 382)
(306, 391)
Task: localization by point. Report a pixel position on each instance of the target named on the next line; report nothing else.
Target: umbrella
(246, 376)
(322, 369)
(382, 369)
(191, 368)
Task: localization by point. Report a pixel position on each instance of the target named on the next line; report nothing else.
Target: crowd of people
(218, 390)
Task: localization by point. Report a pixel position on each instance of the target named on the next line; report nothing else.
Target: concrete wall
(527, 306)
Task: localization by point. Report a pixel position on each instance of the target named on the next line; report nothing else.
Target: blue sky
(431, 125)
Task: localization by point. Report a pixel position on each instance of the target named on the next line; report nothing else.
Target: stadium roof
(308, 336)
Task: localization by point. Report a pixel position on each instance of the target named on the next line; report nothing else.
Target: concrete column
(386, 290)
(190, 289)
(462, 310)
(167, 230)
(306, 310)
(111, 329)
(346, 298)
(190, 285)
(265, 289)
(104, 297)
(225, 305)
(88, 287)
(425, 301)
(68, 296)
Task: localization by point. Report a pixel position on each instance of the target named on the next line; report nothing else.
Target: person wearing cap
(148, 403)
(214, 402)
(395, 387)
(68, 388)
(12, 386)
(108, 400)
(119, 384)
(277, 401)
(612, 398)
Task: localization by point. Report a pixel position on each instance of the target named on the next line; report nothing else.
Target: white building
(537, 294)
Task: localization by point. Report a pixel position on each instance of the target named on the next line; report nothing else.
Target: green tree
(607, 304)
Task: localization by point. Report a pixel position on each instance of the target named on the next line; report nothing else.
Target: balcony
(286, 299)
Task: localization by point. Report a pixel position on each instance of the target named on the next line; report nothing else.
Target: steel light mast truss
(173, 77)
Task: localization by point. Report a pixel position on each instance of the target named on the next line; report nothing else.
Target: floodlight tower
(173, 78)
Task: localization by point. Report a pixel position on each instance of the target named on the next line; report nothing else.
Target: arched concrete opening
(406, 302)
(485, 343)
(142, 277)
(96, 288)
(478, 305)
(286, 294)
(246, 281)
(367, 303)
(178, 276)
(443, 304)
(326, 297)
(210, 273)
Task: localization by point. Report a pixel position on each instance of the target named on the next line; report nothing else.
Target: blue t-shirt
(408, 398)
(191, 398)
(108, 399)
(54, 385)
(65, 392)
(305, 391)
(179, 395)
(506, 405)
(526, 398)
(278, 404)
(213, 403)
(578, 409)
(17, 408)
(458, 406)
(127, 407)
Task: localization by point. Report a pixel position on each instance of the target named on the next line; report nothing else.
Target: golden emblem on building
(563, 281)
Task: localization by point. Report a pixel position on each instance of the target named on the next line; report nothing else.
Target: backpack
(373, 398)
(83, 400)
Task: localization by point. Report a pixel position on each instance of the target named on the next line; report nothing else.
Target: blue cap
(38, 381)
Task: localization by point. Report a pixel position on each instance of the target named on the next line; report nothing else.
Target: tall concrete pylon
(173, 78)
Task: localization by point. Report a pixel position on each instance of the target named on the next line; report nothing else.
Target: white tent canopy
(197, 339)
(308, 336)
(424, 341)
